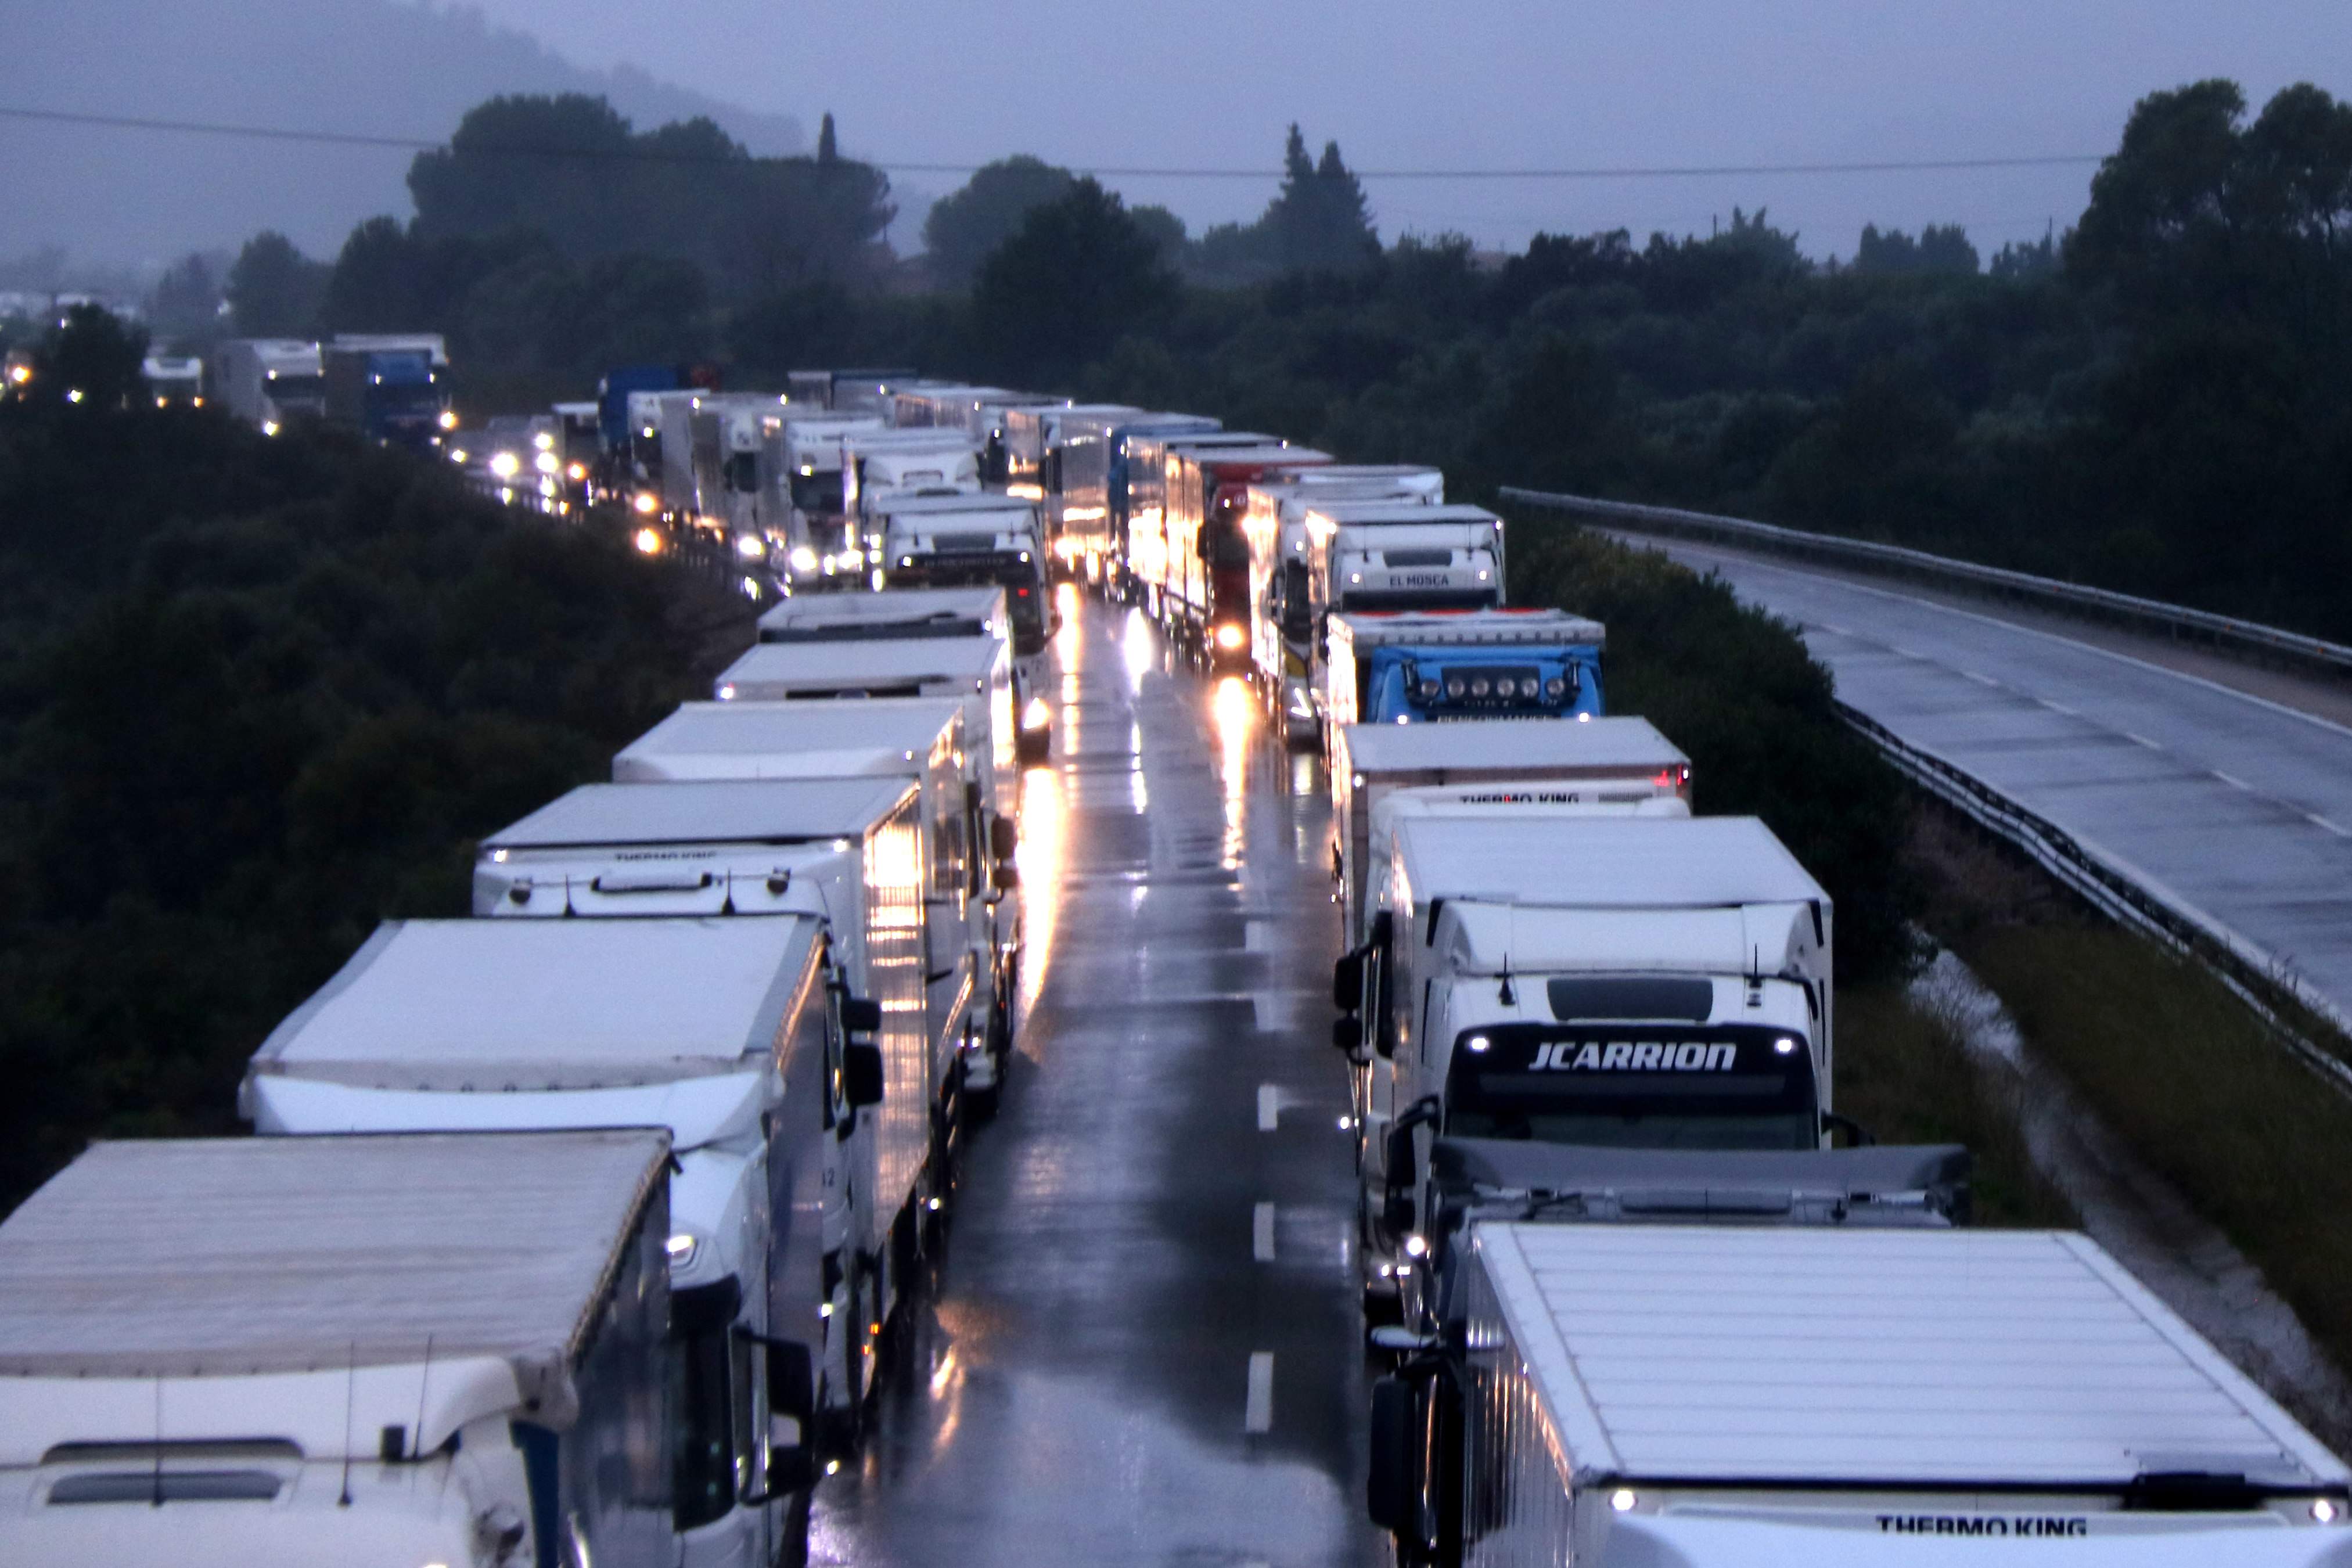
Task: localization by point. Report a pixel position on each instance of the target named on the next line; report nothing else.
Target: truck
(966, 932)
(174, 378)
(1403, 555)
(1283, 619)
(817, 848)
(1725, 1397)
(723, 1032)
(580, 446)
(710, 454)
(1206, 591)
(1095, 492)
(517, 452)
(865, 390)
(1145, 565)
(270, 382)
(983, 609)
(1605, 980)
(1525, 768)
(618, 422)
(899, 465)
(798, 503)
(1037, 441)
(1429, 667)
(438, 1348)
(974, 541)
(391, 387)
(941, 405)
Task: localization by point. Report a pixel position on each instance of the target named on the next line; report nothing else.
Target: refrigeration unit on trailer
(942, 405)
(1282, 615)
(865, 390)
(1407, 667)
(1524, 767)
(270, 382)
(248, 1352)
(969, 930)
(798, 502)
(1620, 981)
(1096, 487)
(1627, 1397)
(1204, 595)
(722, 1032)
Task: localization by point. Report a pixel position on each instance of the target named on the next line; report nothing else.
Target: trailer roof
(790, 739)
(850, 613)
(452, 1006)
(1340, 512)
(236, 1255)
(1260, 456)
(1884, 1357)
(967, 500)
(706, 811)
(1524, 744)
(1498, 626)
(825, 666)
(1602, 862)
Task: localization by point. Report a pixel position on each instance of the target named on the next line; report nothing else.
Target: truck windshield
(1635, 1086)
(819, 491)
(295, 388)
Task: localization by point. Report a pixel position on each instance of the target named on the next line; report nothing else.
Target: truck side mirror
(861, 1075)
(1348, 981)
(1348, 1034)
(1857, 1135)
(860, 1015)
(1004, 837)
(791, 1419)
(1400, 1158)
(1392, 1485)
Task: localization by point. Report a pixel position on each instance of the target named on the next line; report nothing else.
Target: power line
(1625, 171)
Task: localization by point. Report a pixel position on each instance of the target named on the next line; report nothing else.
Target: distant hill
(367, 66)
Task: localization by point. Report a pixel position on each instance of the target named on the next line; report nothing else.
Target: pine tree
(827, 148)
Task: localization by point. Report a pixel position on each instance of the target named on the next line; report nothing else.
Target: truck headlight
(681, 1247)
(750, 546)
(1229, 637)
(506, 465)
(448, 419)
(804, 559)
(645, 503)
(1037, 715)
(546, 463)
(576, 472)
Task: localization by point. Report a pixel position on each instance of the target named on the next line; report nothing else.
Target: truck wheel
(979, 1104)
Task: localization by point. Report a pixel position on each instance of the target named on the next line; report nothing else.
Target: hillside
(366, 66)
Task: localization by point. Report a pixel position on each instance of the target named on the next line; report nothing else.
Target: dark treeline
(255, 694)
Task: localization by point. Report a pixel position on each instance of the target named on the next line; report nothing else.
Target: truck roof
(851, 615)
(966, 502)
(459, 1005)
(1887, 1358)
(889, 735)
(708, 811)
(228, 1257)
(893, 661)
(1257, 456)
(1525, 746)
(1340, 513)
(1501, 628)
(1602, 862)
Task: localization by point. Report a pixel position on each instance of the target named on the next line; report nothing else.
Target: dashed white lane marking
(2143, 741)
(1262, 1233)
(1257, 1414)
(2234, 783)
(1981, 679)
(1269, 1107)
(2336, 828)
(2058, 708)
(1835, 631)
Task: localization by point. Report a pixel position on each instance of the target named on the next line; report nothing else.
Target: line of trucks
(572, 1228)
(570, 1231)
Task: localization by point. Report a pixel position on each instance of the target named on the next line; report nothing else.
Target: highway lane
(1139, 1345)
(2234, 805)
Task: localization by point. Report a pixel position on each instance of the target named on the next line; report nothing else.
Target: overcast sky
(1473, 83)
(1401, 84)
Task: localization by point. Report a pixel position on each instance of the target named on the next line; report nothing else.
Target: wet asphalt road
(1125, 1354)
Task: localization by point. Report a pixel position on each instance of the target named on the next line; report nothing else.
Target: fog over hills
(365, 67)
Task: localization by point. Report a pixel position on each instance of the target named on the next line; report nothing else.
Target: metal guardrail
(2259, 980)
(2174, 620)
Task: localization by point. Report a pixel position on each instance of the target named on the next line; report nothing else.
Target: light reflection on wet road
(1084, 1381)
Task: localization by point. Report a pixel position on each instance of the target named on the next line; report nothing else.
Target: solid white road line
(1262, 1233)
(2142, 740)
(1269, 1107)
(2336, 828)
(1981, 679)
(2234, 783)
(1257, 1414)
(2058, 708)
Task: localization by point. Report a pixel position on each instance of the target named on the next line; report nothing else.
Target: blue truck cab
(1420, 667)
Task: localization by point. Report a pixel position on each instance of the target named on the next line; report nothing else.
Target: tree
(829, 143)
(187, 301)
(965, 226)
(92, 361)
(1319, 221)
(1938, 249)
(1079, 274)
(2020, 259)
(274, 290)
(379, 281)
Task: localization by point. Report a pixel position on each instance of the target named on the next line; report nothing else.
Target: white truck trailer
(798, 502)
(268, 382)
(879, 465)
(720, 1031)
(967, 541)
(953, 923)
(1505, 769)
(260, 1351)
(1636, 1396)
(1613, 980)
(174, 378)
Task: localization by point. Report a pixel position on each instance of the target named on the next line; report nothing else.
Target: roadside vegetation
(256, 695)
